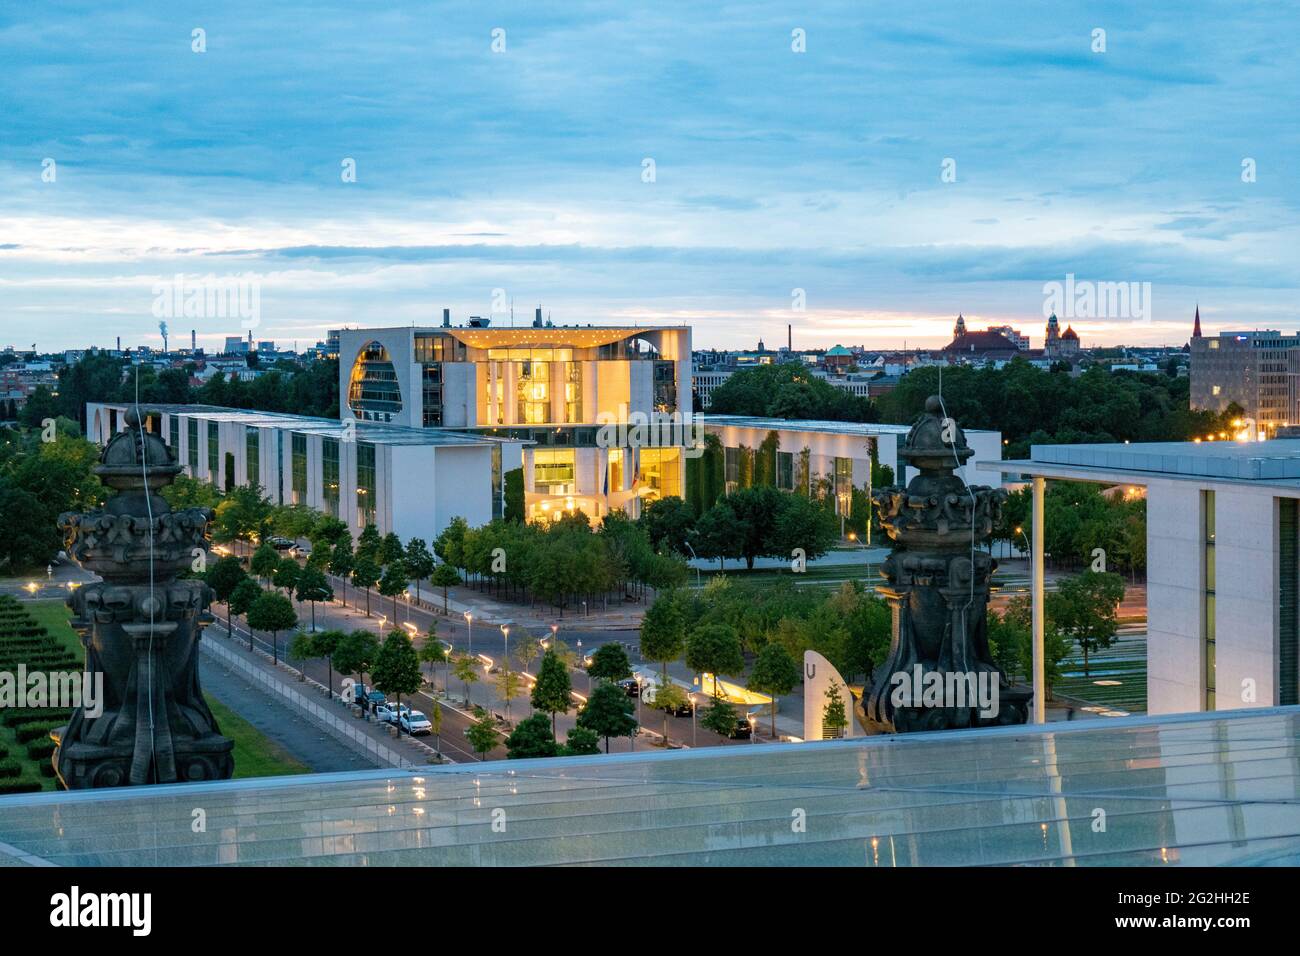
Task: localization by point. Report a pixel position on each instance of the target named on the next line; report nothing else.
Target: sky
(861, 171)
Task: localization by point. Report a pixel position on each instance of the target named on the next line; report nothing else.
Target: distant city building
(1259, 371)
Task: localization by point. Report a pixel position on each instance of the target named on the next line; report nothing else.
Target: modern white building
(412, 481)
(548, 388)
(1223, 563)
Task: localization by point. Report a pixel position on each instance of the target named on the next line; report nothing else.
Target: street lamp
(1029, 550)
(505, 629)
(694, 735)
(469, 622)
(753, 737)
(696, 559)
(583, 661)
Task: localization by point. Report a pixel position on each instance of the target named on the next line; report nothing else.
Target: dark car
(280, 544)
(743, 729)
(630, 687)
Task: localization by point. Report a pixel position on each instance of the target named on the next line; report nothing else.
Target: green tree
(419, 562)
(715, 649)
(532, 738)
(669, 698)
(397, 668)
(483, 735)
(301, 648)
(390, 549)
(720, 717)
(313, 586)
(433, 651)
(834, 719)
(265, 562)
(223, 577)
(668, 522)
(356, 654)
(466, 671)
(274, 613)
(608, 713)
(774, 673)
(286, 575)
(241, 600)
(326, 643)
(368, 543)
(514, 495)
(610, 663)
(340, 564)
(435, 719)
(580, 742)
(509, 683)
(663, 634)
(365, 574)
(1083, 608)
(445, 576)
(553, 692)
(393, 583)
(719, 533)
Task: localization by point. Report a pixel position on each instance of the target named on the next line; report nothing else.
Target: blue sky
(522, 170)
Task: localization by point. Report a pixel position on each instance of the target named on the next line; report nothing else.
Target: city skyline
(497, 167)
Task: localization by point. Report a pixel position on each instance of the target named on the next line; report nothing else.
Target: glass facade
(843, 485)
(214, 454)
(365, 484)
(785, 470)
(431, 395)
(553, 472)
(253, 455)
(572, 392)
(616, 470)
(192, 445)
(373, 392)
(533, 392)
(661, 472)
(1207, 619)
(174, 435)
(298, 470)
(330, 475)
(1288, 596)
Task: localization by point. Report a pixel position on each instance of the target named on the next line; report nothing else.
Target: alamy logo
(657, 430)
(74, 909)
(210, 297)
(55, 689)
(920, 688)
(1075, 299)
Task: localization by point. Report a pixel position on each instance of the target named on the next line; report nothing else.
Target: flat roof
(1276, 461)
(810, 425)
(373, 432)
(580, 336)
(1198, 789)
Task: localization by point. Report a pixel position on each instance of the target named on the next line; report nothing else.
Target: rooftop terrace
(1201, 789)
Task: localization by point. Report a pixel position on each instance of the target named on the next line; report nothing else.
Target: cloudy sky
(904, 167)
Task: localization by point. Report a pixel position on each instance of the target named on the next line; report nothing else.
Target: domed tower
(959, 329)
(1052, 337)
(141, 627)
(1069, 344)
(939, 673)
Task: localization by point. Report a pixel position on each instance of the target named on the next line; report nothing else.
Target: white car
(300, 551)
(415, 723)
(388, 713)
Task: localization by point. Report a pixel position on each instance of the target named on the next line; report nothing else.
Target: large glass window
(785, 470)
(498, 492)
(365, 484)
(192, 445)
(553, 471)
(843, 485)
(298, 470)
(330, 475)
(533, 391)
(661, 472)
(615, 470)
(665, 382)
(431, 380)
(573, 392)
(214, 454)
(1207, 510)
(373, 391)
(252, 456)
(1288, 599)
(174, 435)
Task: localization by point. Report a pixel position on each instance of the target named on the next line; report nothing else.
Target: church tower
(959, 329)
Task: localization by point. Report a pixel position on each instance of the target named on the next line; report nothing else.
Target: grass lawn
(256, 755)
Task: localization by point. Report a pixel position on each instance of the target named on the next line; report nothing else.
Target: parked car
(743, 731)
(415, 723)
(681, 710)
(390, 713)
(300, 551)
(280, 544)
(630, 687)
(371, 700)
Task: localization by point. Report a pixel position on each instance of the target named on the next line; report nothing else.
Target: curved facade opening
(373, 391)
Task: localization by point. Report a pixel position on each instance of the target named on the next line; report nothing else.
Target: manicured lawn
(256, 755)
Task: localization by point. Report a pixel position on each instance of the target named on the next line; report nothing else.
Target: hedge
(10, 768)
(7, 787)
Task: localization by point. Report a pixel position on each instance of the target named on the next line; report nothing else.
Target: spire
(1196, 326)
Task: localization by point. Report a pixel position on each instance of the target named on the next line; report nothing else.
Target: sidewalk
(311, 699)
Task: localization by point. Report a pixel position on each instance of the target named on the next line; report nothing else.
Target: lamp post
(694, 735)
(695, 558)
(583, 661)
(469, 623)
(753, 737)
